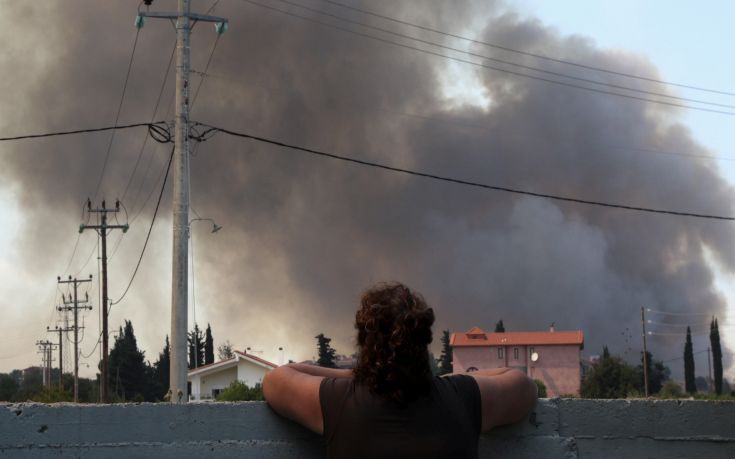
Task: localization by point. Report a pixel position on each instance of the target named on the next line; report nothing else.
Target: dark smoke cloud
(303, 236)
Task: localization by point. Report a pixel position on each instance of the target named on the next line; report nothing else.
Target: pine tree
(446, 357)
(326, 353)
(499, 327)
(689, 380)
(208, 346)
(224, 351)
(196, 347)
(714, 337)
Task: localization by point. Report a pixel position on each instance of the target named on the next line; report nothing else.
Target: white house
(209, 380)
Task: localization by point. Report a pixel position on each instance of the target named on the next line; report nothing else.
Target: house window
(500, 352)
(515, 353)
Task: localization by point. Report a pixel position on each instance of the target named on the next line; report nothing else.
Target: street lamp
(215, 226)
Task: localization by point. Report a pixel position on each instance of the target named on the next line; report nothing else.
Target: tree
(195, 339)
(326, 353)
(225, 351)
(689, 381)
(161, 371)
(446, 358)
(239, 391)
(658, 373)
(8, 388)
(609, 377)
(714, 338)
(540, 388)
(208, 346)
(129, 374)
(605, 352)
(499, 327)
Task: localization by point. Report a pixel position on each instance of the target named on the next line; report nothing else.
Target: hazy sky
(302, 236)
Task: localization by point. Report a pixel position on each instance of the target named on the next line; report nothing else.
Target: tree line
(131, 376)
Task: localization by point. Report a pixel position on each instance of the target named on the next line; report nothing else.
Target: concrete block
(600, 448)
(647, 418)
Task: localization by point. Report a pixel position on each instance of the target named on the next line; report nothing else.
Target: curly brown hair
(393, 333)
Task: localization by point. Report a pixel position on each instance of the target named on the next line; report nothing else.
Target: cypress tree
(196, 348)
(689, 381)
(714, 337)
(499, 327)
(161, 370)
(446, 357)
(208, 346)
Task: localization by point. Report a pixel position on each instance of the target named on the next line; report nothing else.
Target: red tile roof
(477, 337)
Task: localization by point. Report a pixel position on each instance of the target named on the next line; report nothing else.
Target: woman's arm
(293, 392)
(507, 396)
(316, 370)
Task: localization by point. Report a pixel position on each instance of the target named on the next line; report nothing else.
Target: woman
(390, 405)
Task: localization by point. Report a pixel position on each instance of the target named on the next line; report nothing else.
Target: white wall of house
(250, 373)
(215, 380)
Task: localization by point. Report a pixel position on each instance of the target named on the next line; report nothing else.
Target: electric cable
(679, 313)
(464, 182)
(117, 115)
(153, 221)
(526, 53)
(498, 69)
(503, 61)
(153, 116)
(82, 131)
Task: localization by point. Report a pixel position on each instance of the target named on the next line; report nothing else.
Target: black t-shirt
(444, 423)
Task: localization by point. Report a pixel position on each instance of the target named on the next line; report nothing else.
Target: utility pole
(185, 19)
(102, 229)
(45, 348)
(72, 304)
(60, 330)
(645, 352)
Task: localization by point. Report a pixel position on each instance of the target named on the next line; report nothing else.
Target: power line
(82, 131)
(526, 53)
(117, 115)
(490, 67)
(153, 220)
(503, 61)
(462, 124)
(153, 116)
(212, 129)
(680, 313)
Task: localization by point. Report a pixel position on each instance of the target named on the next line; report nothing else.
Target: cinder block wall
(557, 429)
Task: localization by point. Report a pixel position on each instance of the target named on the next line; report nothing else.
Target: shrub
(239, 391)
(541, 388)
(671, 390)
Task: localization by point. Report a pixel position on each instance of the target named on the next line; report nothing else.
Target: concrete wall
(557, 429)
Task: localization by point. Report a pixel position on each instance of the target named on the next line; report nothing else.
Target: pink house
(553, 357)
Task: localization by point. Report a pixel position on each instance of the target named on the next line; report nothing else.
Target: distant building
(554, 357)
(207, 381)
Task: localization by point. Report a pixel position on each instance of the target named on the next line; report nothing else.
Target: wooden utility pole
(60, 330)
(185, 19)
(72, 304)
(645, 352)
(102, 230)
